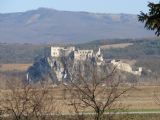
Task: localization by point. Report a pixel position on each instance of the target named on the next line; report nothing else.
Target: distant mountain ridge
(46, 25)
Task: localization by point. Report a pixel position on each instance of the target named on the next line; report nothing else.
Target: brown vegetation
(23, 102)
(93, 90)
(120, 45)
(13, 67)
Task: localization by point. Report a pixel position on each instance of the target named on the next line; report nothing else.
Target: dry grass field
(12, 67)
(121, 45)
(139, 99)
(10, 72)
(142, 98)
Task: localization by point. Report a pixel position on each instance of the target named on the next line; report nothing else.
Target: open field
(139, 104)
(120, 45)
(140, 99)
(12, 67)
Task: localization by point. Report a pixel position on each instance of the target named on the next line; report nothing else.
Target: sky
(97, 6)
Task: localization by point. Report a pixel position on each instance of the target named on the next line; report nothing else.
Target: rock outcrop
(59, 69)
(46, 70)
(60, 64)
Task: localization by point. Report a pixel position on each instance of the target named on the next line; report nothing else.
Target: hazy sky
(100, 6)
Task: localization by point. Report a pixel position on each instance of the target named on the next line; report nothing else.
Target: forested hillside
(45, 25)
(19, 53)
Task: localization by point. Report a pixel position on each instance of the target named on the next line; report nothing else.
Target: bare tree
(93, 88)
(28, 103)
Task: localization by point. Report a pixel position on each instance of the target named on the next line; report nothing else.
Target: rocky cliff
(50, 69)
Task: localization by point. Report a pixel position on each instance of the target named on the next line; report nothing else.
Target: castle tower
(99, 55)
(99, 52)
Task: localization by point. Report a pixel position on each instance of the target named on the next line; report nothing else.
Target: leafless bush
(27, 103)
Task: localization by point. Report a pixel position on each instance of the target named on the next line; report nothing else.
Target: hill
(52, 26)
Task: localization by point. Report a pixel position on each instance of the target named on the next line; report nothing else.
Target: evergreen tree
(152, 18)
